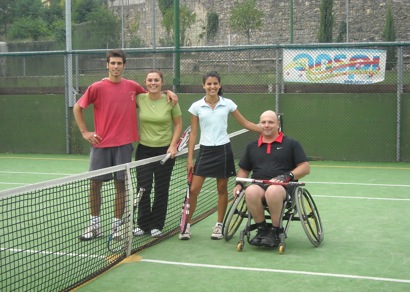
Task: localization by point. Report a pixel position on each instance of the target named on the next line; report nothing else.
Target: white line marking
(276, 271)
(12, 183)
(35, 173)
(351, 183)
(51, 253)
(359, 197)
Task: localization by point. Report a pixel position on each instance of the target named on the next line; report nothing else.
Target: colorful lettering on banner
(347, 66)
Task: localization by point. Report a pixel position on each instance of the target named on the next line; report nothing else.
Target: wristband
(289, 176)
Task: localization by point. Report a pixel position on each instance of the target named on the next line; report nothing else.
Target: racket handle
(165, 159)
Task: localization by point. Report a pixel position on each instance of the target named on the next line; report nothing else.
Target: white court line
(12, 183)
(52, 253)
(276, 271)
(359, 197)
(36, 173)
(364, 184)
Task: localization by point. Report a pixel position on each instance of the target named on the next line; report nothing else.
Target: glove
(287, 177)
(240, 183)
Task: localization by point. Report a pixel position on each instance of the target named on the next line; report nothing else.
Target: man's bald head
(269, 114)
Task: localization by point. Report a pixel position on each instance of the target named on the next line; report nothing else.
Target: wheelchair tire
(240, 246)
(309, 216)
(235, 215)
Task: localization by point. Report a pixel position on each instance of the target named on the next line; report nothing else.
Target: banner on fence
(347, 66)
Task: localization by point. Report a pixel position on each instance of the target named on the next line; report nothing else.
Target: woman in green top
(160, 128)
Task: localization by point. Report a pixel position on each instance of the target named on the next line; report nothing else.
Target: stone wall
(366, 20)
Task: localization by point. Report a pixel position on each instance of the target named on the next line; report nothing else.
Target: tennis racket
(118, 239)
(181, 144)
(185, 211)
(269, 182)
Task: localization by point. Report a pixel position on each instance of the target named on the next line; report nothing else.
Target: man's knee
(277, 193)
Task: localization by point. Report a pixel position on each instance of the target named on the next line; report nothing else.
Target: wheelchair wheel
(309, 216)
(240, 246)
(234, 217)
(281, 246)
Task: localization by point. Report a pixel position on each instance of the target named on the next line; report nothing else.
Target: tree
(6, 15)
(388, 35)
(342, 32)
(165, 5)
(246, 17)
(29, 8)
(82, 8)
(105, 28)
(326, 21)
(187, 19)
(29, 28)
(33, 20)
(212, 25)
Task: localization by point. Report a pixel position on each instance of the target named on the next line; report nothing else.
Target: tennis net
(40, 224)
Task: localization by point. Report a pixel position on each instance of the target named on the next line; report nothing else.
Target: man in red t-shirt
(115, 129)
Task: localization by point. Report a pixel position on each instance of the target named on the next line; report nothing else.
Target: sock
(219, 224)
(116, 222)
(95, 220)
(278, 229)
(262, 225)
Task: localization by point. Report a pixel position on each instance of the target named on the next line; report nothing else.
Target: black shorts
(215, 162)
(289, 191)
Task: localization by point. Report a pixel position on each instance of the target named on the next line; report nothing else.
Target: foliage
(58, 29)
(165, 5)
(342, 32)
(212, 25)
(29, 8)
(388, 35)
(326, 21)
(30, 19)
(82, 8)
(105, 28)
(29, 28)
(246, 17)
(187, 19)
(6, 15)
(135, 40)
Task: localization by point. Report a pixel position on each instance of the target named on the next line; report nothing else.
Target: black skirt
(215, 162)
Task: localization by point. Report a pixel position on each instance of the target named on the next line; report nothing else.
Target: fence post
(400, 83)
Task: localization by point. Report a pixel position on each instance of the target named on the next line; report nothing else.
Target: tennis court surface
(364, 208)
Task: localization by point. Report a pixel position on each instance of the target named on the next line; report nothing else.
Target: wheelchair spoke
(309, 217)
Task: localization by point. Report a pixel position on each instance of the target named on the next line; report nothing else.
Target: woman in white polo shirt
(215, 158)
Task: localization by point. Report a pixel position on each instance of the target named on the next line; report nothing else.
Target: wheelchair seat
(298, 206)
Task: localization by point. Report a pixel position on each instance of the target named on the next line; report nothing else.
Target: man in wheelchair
(273, 157)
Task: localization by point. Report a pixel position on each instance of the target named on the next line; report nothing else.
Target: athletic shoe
(91, 232)
(138, 232)
(118, 232)
(261, 233)
(185, 235)
(271, 239)
(217, 232)
(156, 233)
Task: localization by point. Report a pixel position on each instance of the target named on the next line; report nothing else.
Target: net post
(280, 118)
(130, 197)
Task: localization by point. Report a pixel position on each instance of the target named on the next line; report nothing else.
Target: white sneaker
(118, 232)
(185, 235)
(138, 232)
(156, 233)
(217, 232)
(91, 232)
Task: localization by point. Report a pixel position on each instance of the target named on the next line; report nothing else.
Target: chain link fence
(367, 121)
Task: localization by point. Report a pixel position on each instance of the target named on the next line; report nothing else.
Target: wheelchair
(298, 206)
